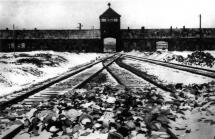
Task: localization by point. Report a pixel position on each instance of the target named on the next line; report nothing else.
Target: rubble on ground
(197, 58)
(116, 112)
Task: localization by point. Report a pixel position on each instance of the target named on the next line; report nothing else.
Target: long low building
(93, 40)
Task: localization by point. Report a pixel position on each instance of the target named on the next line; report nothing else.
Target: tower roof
(109, 13)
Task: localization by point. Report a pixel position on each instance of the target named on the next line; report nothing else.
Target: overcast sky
(66, 14)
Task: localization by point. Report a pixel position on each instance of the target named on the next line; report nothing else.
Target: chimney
(200, 21)
(170, 30)
(143, 29)
(183, 27)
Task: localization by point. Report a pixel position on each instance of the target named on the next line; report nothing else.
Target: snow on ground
(158, 55)
(110, 79)
(199, 130)
(137, 53)
(191, 122)
(27, 68)
(186, 53)
(167, 56)
(169, 75)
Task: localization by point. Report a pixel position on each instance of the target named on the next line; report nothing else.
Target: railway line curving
(124, 74)
(73, 80)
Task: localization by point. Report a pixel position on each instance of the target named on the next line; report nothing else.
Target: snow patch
(26, 68)
(169, 75)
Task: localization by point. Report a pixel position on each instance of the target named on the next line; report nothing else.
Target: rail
(194, 70)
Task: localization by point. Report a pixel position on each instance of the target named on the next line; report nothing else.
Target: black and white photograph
(107, 69)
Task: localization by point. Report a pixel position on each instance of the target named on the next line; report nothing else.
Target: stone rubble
(115, 112)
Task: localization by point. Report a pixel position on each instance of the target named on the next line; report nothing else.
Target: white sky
(66, 14)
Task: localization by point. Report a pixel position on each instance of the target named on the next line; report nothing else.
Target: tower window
(109, 20)
(103, 20)
(115, 20)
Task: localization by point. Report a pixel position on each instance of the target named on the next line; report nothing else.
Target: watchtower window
(115, 20)
(103, 20)
(109, 20)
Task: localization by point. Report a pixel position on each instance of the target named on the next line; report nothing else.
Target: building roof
(109, 13)
(96, 34)
(51, 34)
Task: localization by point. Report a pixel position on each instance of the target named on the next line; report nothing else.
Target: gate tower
(110, 27)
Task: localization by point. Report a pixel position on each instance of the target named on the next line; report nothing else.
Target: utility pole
(200, 31)
(200, 25)
(93, 32)
(80, 26)
(200, 21)
(14, 47)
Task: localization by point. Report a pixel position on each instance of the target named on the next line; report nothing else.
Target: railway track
(30, 99)
(19, 96)
(127, 76)
(145, 76)
(194, 70)
(133, 79)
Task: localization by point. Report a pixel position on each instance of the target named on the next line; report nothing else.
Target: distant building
(109, 38)
(161, 46)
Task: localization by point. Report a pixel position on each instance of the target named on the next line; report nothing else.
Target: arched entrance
(109, 44)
